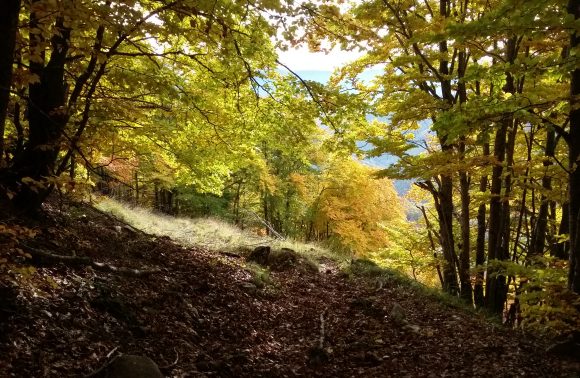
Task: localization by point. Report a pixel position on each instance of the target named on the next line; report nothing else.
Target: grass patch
(260, 275)
(209, 233)
(384, 276)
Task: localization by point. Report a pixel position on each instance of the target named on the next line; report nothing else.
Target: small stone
(398, 315)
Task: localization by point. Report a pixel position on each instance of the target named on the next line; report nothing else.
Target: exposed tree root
(45, 257)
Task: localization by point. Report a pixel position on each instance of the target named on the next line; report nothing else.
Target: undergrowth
(260, 275)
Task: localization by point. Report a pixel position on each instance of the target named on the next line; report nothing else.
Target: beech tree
(69, 49)
(573, 139)
(488, 78)
(8, 28)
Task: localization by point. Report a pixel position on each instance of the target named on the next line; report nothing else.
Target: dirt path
(200, 317)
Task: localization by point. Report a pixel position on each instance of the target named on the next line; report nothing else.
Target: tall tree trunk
(432, 242)
(496, 288)
(464, 260)
(538, 238)
(8, 27)
(464, 181)
(237, 203)
(523, 206)
(27, 177)
(446, 231)
(495, 217)
(445, 192)
(442, 197)
(480, 247)
(562, 249)
(574, 161)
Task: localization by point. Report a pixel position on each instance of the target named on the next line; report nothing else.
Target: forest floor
(205, 313)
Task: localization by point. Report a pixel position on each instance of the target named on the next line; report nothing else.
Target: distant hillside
(402, 186)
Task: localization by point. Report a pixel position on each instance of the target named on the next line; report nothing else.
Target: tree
(574, 158)
(353, 208)
(8, 28)
(73, 49)
(487, 78)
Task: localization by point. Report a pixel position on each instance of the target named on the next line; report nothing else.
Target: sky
(318, 66)
(301, 59)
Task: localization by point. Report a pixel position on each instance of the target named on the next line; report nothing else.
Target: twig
(112, 351)
(268, 226)
(321, 340)
(104, 366)
(174, 362)
(317, 353)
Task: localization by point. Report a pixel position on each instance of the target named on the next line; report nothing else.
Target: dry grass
(209, 233)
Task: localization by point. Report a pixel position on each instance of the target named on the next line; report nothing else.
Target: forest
(185, 108)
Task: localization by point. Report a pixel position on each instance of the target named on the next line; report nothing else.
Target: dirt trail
(200, 317)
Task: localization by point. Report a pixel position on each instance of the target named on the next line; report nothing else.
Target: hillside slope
(205, 313)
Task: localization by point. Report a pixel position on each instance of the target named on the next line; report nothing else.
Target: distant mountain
(402, 186)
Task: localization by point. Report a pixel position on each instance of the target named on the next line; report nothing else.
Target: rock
(283, 259)
(398, 315)
(129, 366)
(249, 287)
(260, 255)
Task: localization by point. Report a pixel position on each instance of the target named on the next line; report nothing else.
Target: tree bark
(495, 218)
(442, 197)
(445, 191)
(464, 182)
(539, 232)
(562, 249)
(480, 247)
(573, 161)
(496, 289)
(8, 28)
(27, 177)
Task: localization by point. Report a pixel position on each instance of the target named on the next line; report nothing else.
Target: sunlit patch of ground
(206, 232)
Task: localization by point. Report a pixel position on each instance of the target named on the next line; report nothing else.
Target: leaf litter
(196, 317)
